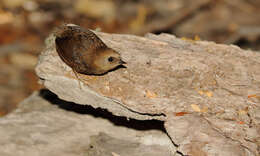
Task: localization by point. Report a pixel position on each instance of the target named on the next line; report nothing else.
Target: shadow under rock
(117, 120)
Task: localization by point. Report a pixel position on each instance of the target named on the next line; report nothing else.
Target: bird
(84, 51)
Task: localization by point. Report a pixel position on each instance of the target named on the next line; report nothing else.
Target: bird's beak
(122, 62)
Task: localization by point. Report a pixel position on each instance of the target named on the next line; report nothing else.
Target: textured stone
(194, 86)
(40, 128)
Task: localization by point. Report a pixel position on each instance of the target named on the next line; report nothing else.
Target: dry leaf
(251, 96)
(150, 94)
(241, 122)
(196, 108)
(181, 113)
(209, 94)
(200, 92)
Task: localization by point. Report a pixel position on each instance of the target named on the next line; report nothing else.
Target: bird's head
(107, 60)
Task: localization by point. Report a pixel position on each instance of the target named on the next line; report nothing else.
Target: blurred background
(24, 24)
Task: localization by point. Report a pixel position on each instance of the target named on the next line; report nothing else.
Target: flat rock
(208, 94)
(40, 128)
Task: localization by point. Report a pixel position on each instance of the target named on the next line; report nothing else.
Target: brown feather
(81, 49)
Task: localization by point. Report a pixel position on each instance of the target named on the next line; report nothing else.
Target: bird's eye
(110, 59)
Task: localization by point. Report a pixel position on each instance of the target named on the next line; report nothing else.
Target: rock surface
(208, 94)
(40, 128)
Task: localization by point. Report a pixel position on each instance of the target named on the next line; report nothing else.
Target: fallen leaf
(241, 122)
(251, 96)
(200, 92)
(195, 107)
(209, 94)
(151, 94)
(181, 113)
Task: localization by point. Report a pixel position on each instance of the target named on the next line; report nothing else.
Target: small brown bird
(84, 51)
